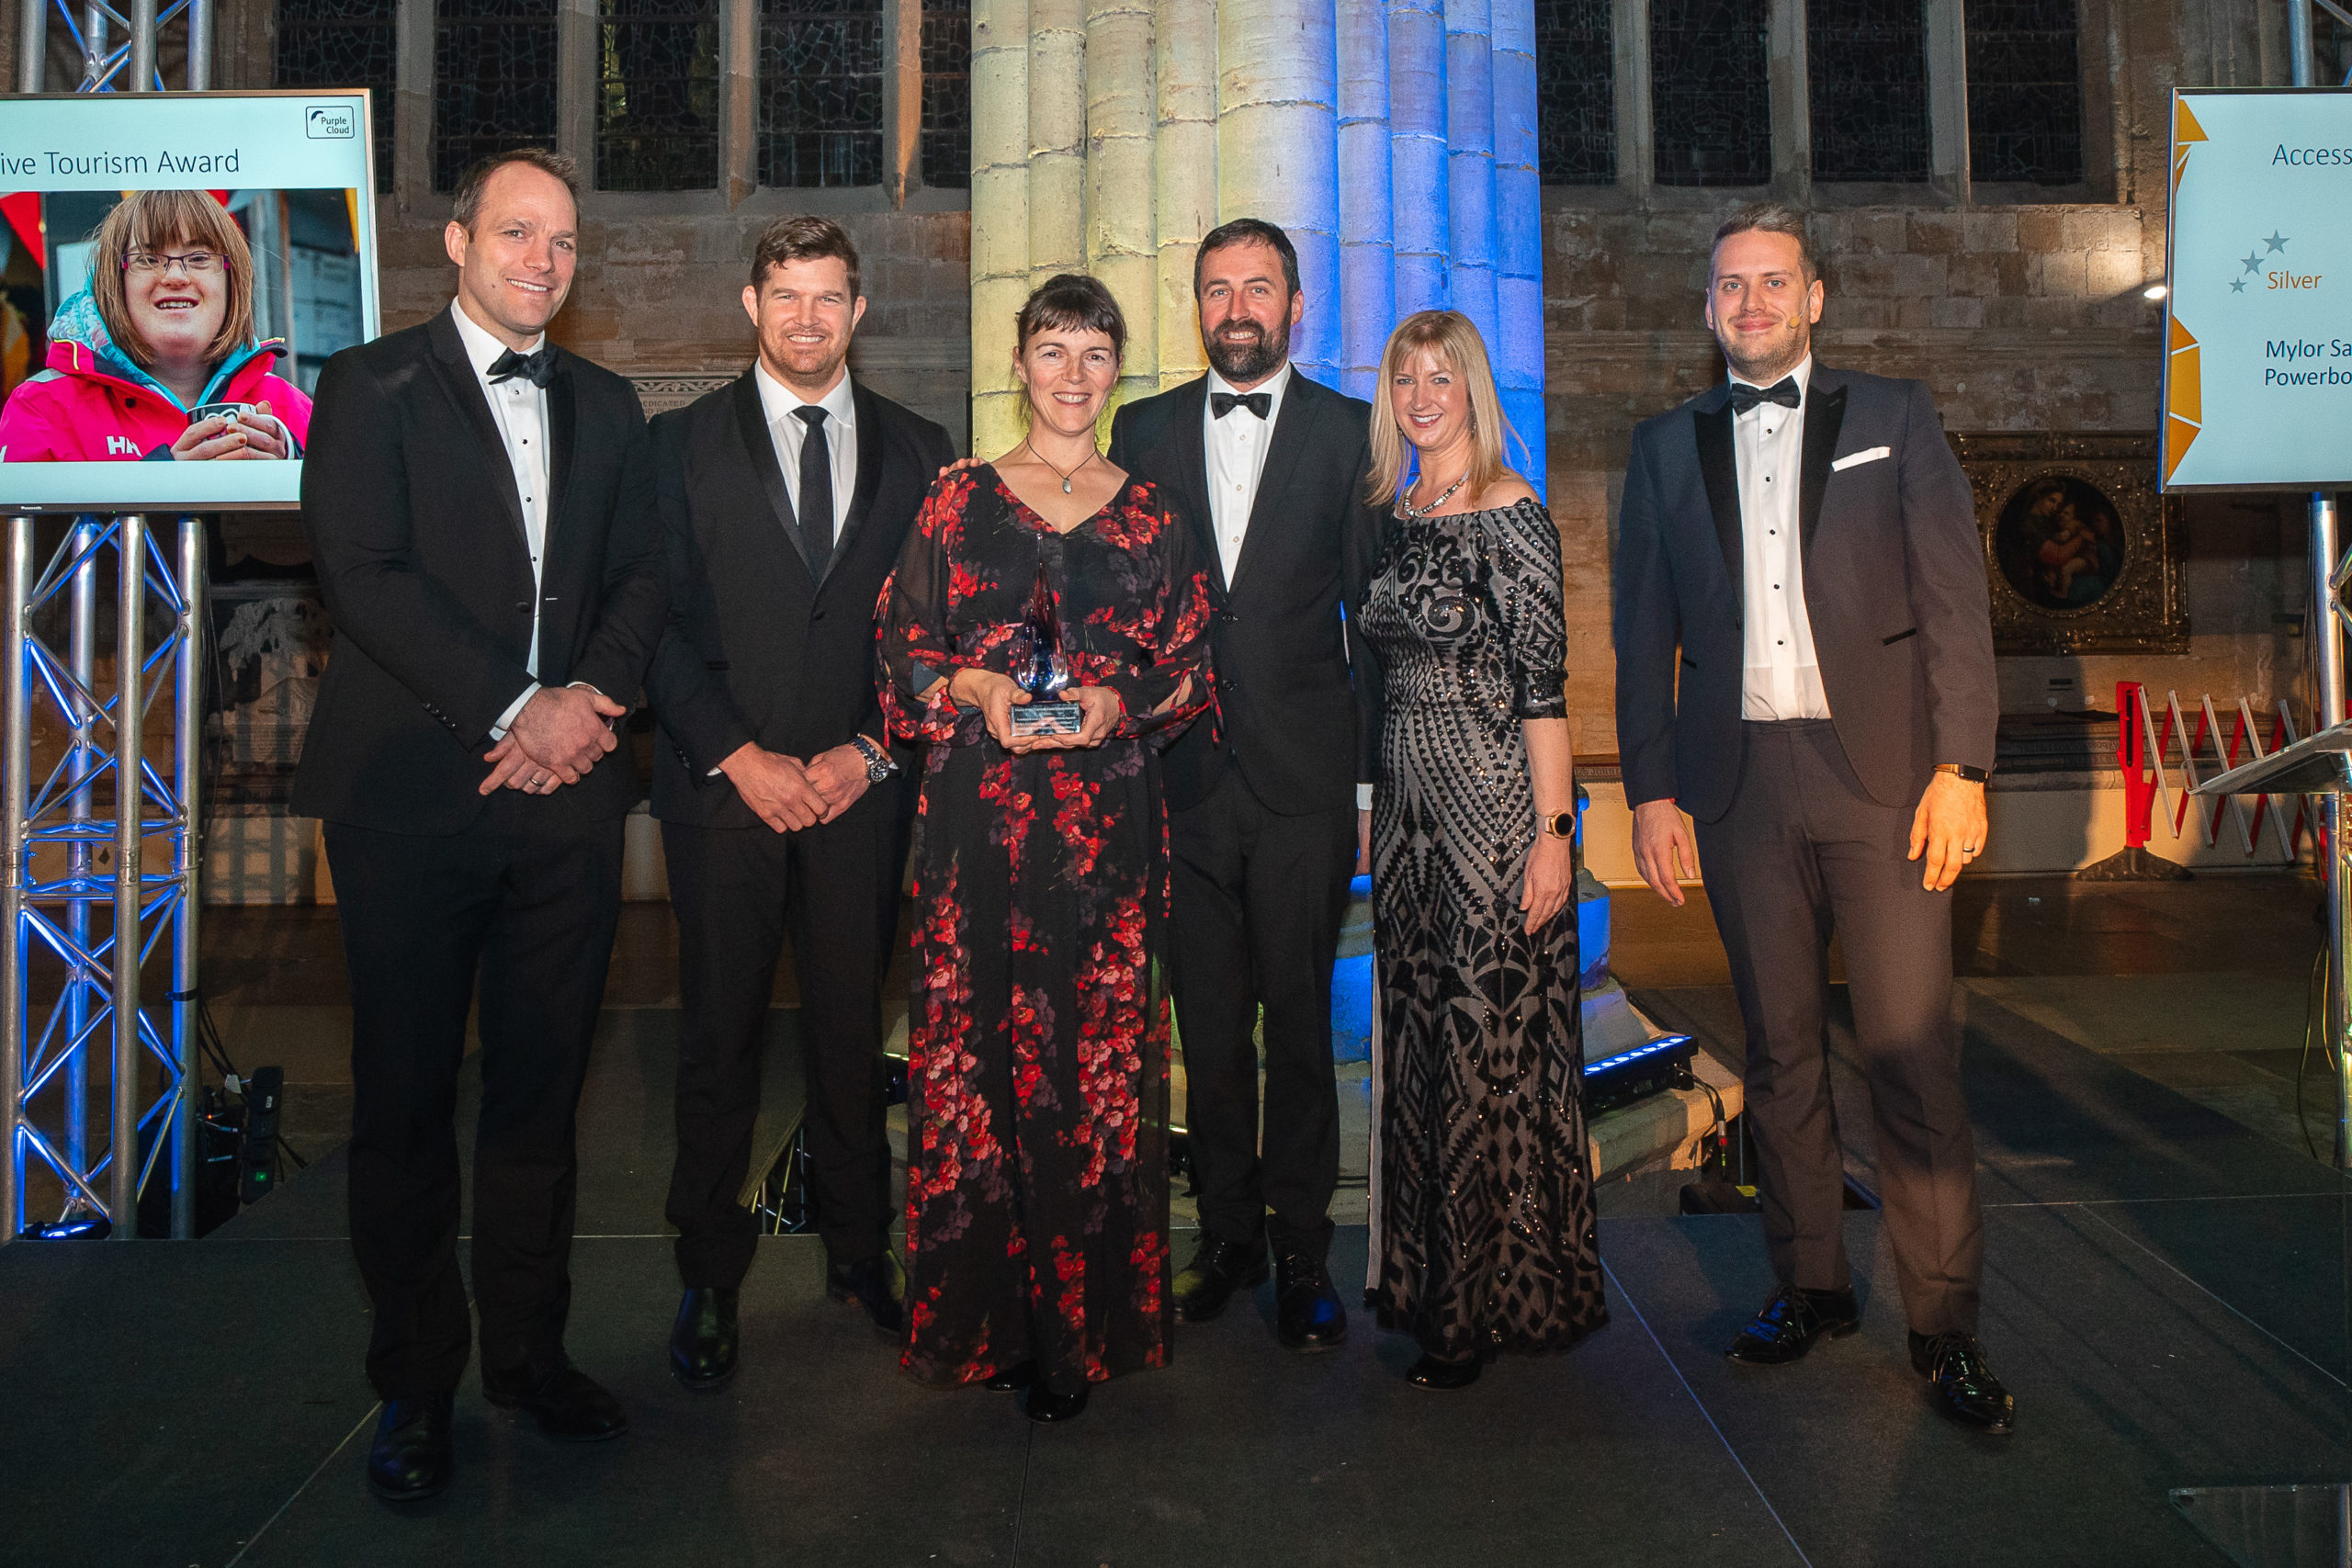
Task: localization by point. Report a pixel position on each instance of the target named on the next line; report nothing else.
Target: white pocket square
(1855, 459)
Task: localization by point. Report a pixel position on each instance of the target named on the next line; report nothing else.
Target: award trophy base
(1033, 718)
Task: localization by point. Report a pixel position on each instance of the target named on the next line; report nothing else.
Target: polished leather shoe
(1432, 1371)
(568, 1403)
(1307, 1313)
(1044, 1405)
(703, 1341)
(1013, 1379)
(1787, 1326)
(410, 1459)
(1217, 1270)
(878, 1285)
(1965, 1388)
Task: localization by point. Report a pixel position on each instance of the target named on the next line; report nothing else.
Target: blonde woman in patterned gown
(1483, 1230)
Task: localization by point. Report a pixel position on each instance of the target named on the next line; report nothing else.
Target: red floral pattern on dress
(1038, 1193)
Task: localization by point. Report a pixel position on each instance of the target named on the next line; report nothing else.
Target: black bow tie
(1260, 403)
(538, 368)
(1782, 392)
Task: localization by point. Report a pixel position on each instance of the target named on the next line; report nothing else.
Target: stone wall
(2020, 317)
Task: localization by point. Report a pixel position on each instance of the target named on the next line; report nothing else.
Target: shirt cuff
(506, 720)
(1364, 797)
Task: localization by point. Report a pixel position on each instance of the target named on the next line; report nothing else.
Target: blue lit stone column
(1517, 344)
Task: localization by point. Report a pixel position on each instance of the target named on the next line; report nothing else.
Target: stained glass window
(343, 43)
(1710, 113)
(1866, 62)
(2025, 92)
(493, 81)
(1575, 93)
(947, 93)
(657, 99)
(820, 91)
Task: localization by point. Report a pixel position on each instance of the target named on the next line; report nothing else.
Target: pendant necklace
(1406, 506)
(1082, 462)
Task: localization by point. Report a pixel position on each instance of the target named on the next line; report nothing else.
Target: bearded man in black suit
(1268, 805)
(1804, 665)
(784, 812)
(480, 503)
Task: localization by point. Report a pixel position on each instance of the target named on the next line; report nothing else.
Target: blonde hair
(150, 219)
(1449, 336)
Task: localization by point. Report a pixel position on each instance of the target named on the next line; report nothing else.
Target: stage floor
(2163, 1295)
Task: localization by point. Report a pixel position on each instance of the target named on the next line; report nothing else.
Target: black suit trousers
(1805, 851)
(530, 910)
(1258, 899)
(739, 892)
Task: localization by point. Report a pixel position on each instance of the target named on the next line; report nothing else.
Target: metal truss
(108, 66)
(69, 984)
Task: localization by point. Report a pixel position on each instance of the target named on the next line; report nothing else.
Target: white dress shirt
(788, 430)
(1781, 677)
(520, 410)
(1236, 447)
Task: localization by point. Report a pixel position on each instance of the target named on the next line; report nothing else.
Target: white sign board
(2258, 319)
(142, 389)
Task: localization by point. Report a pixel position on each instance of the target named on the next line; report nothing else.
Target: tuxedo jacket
(1895, 589)
(1298, 699)
(758, 647)
(416, 527)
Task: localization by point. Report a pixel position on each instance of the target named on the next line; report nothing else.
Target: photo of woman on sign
(158, 358)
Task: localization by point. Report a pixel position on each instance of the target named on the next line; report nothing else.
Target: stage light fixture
(257, 1173)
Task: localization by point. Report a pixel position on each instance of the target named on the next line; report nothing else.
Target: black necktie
(1223, 403)
(816, 492)
(537, 368)
(1782, 392)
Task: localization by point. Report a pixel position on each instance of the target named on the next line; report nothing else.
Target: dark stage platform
(2165, 1298)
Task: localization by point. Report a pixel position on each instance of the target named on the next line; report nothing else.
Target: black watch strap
(1964, 770)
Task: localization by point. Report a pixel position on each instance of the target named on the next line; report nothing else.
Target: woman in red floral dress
(1037, 1160)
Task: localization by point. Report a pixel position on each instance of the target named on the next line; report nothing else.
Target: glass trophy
(1041, 668)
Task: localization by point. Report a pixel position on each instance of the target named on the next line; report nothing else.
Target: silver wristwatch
(879, 764)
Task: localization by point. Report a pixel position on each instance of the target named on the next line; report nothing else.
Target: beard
(1251, 358)
(1783, 351)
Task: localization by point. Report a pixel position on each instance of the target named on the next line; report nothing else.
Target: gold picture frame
(2082, 551)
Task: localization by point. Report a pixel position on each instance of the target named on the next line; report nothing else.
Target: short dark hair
(467, 205)
(803, 237)
(1248, 232)
(1073, 302)
(1772, 218)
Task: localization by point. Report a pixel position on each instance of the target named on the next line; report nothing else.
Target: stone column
(1424, 237)
(1277, 145)
(1000, 214)
(1057, 151)
(1470, 158)
(1517, 346)
(1367, 217)
(1121, 118)
(1183, 175)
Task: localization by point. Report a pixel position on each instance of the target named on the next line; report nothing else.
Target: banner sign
(174, 270)
(2259, 317)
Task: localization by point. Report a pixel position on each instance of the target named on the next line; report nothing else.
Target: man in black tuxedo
(1267, 810)
(785, 498)
(480, 503)
(1801, 545)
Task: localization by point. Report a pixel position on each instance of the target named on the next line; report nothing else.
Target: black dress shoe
(1433, 1372)
(410, 1459)
(1788, 1325)
(1307, 1313)
(878, 1285)
(567, 1402)
(1044, 1405)
(703, 1341)
(1965, 1388)
(1013, 1379)
(1217, 1270)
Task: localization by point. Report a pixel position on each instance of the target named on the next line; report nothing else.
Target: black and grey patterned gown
(1482, 1208)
